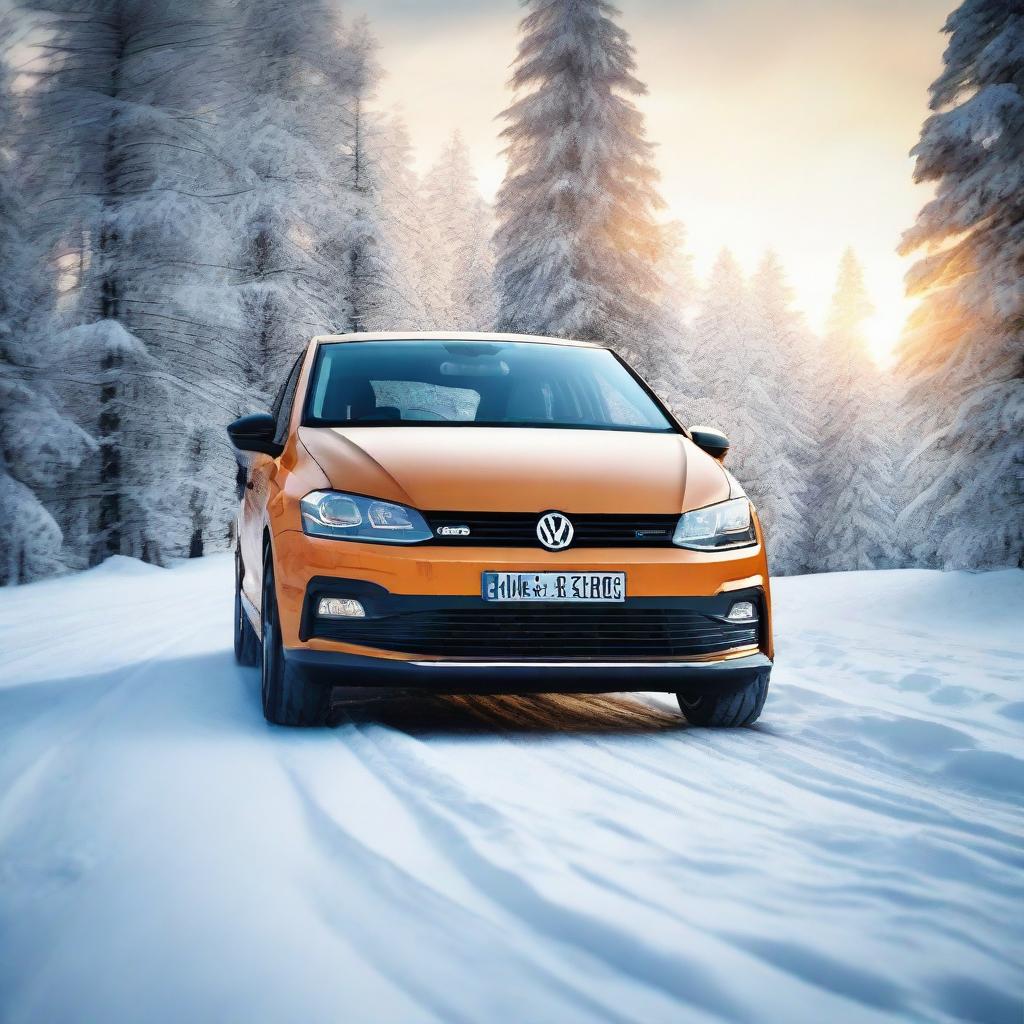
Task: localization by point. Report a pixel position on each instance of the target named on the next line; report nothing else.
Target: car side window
(286, 400)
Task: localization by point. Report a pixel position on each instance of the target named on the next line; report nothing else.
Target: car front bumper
(424, 574)
(357, 672)
(463, 644)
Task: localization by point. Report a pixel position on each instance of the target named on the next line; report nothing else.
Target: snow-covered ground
(165, 856)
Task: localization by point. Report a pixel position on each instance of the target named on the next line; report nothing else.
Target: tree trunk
(111, 511)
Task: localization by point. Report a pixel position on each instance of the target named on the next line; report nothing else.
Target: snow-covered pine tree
(39, 444)
(579, 252)
(674, 378)
(462, 261)
(748, 350)
(398, 292)
(778, 471)
(682, 292)
(722, 357)
(129, 184)
(851, 491)
(963, 354)
(377, 245)
(292, 76)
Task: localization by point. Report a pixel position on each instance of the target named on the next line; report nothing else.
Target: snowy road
(165, 856)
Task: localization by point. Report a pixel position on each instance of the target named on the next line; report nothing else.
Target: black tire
(247, 640)
(289, 696)
(726, 710)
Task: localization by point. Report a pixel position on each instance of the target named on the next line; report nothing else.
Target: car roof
(331, 339)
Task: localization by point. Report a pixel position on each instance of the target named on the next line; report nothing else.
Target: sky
(780, 124)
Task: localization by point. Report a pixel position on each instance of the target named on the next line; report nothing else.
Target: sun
(883, 328)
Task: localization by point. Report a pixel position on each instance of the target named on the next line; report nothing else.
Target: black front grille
(519, 529)
(549, 632)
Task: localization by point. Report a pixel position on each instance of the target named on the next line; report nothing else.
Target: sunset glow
(781, 124)
(884, 327)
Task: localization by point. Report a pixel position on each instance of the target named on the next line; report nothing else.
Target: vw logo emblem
(554, 531)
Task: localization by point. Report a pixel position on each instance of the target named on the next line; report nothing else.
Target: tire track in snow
(616, 948)
(959, 935)
(468, 940)
(872, 789)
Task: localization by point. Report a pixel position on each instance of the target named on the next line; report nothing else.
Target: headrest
(530, 402)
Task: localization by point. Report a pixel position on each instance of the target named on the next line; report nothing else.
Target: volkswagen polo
(487, 513)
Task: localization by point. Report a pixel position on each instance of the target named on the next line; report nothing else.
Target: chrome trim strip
(731, 662)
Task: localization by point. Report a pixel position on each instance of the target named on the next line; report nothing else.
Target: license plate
(553, 586)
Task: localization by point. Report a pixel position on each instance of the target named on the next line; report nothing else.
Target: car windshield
(478, 383)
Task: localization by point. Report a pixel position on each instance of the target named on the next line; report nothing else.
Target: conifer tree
(682, 292)
(963, 354)
(39, 443)
(579, 252)
(461, 261)
(749, 352)
(779, 390)
(851, 492)
(675, 375)
(127, 174)
(377, 244)
(722, 358)
(398, 291)
(291, 80)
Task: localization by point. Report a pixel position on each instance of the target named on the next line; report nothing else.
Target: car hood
(510, 469)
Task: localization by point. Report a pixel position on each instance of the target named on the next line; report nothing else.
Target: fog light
(742, 611)
(340, 608)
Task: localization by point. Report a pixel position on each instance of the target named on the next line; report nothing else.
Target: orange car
(488, 513)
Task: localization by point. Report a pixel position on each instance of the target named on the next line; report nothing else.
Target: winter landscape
(190, 191)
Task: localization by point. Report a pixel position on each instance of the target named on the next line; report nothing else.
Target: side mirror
(714, 442)
(255, 433)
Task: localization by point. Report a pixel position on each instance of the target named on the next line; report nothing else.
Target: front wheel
(726, 710)
(289, 696)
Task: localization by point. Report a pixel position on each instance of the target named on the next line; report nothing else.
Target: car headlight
(728, 524)
(353, 517)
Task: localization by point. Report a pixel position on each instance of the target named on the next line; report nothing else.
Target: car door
(260, 473)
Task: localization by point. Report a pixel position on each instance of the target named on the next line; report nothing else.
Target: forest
(189, 192)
